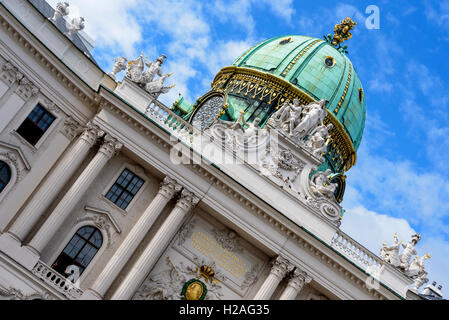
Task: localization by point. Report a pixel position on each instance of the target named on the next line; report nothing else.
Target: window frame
(135, 169)
(70, 234)
(26, 111)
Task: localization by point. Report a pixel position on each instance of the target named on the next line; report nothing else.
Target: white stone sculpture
(420, 280)
(319, 140)
(156, 87)
(135, 69)
(314, 114)
(409, 252)
(280, 117)
(321, 186)
(146, 79)
(62, 10)
(294, 115)
(154, 68)
(119, 65)
(417, 267)
(76, 25)
(390, 253)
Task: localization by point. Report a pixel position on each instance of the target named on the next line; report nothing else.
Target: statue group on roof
(146, 79)
(414, 269)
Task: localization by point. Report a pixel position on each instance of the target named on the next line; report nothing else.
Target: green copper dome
(318, 69)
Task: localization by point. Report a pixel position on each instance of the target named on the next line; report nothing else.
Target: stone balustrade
(56, 281)
(170, 121)
(356, 253)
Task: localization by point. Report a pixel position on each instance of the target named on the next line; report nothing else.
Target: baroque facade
(106, 193)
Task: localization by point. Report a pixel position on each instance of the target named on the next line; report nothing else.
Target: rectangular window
(35, 125)
(124, 189)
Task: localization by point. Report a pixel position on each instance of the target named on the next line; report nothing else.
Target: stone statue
(156, 87)
(135, 69)
(417, 266)
(314, 114)
(321, 186)
(280, 117)
(409, 251)
(319, 140)
(119, 65)
(294, 115)
(76, 25)
(390, 254)
(420, 280)
(154, 68)
(62, 10)
(416, 271)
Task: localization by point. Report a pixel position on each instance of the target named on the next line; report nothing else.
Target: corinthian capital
(298, 279)
(187, 200)
(169, 187)
(111, 146)
(92, 133)
(280, 267)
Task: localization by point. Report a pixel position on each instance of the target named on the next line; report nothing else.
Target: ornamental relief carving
(168, 284)
(228, 239)
(283, 165)
(71, 128)
(186, 232)
(10, 74)
(15, 294)
(13, 156)
(318, 194)
(26, 89)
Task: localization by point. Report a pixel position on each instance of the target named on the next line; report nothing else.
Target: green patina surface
(301, 61)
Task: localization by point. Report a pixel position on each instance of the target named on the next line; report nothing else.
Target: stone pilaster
(109, 148)
(167, 190)
(59, 176)
(156, 247)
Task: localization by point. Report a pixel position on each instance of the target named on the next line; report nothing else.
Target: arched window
(5, 175)
(80, 250)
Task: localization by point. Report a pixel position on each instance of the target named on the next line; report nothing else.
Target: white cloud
(371, 228)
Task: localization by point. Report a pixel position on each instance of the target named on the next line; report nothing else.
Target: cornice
(70, 83)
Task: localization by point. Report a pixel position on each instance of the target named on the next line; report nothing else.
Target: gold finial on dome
(341, 34)
(342, 31)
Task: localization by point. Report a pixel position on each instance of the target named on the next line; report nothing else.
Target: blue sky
(399, 183)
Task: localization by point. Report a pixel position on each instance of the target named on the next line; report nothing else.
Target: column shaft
(134, 237)
(49, 189)
(72, 197)
(295, 284)
(155, 247)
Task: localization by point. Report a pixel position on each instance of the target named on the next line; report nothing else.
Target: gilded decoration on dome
(341, 33)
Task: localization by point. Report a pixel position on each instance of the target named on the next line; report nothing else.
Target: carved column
(278, 271)
(296, 282)
(156, 247)
(48, 191)
(109, 148)
(168, 189)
